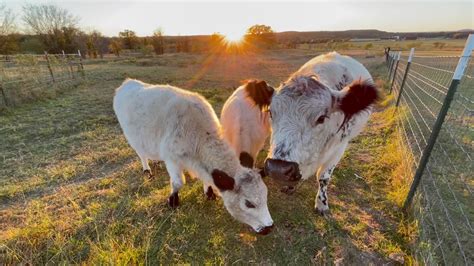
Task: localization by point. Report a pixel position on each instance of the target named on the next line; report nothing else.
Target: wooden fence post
(49, 66)
(81, 66)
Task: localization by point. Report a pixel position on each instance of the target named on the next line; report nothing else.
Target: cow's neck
(217, 154)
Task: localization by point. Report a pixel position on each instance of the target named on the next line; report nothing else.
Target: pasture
(72, 190)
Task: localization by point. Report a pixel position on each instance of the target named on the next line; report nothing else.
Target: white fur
(179, 127)
(245, 126)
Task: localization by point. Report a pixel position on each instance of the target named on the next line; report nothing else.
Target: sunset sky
(232, 18)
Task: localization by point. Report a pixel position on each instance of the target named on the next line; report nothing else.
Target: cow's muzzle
(282, 170)
(265, 230)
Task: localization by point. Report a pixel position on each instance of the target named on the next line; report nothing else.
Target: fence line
(435, 99)
(25, 76)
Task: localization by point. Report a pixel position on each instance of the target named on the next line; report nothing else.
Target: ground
(72, 190)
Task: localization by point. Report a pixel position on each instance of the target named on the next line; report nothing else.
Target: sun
(234, 37)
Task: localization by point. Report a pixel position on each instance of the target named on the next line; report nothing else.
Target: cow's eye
(249, 204)
(321, 119)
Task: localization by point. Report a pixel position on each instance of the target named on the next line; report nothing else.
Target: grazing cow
(314, 115)
(245, 123)
(179, 127)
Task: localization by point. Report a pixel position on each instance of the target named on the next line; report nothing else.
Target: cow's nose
(266, 230)
(282, 170)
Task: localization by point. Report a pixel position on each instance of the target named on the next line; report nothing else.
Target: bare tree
(158, 41)
(8, 36)
(56, 27)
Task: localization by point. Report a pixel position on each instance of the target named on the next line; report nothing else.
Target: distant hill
(317, 36)
(305, 36)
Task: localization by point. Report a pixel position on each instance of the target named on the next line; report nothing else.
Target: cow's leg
(176, 180)
(324, 174)
(145, 165)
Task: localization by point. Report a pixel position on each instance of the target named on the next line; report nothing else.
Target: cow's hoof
(324, 212)
(148, 173)
(288, 190)
(210, 194)
(173, 200)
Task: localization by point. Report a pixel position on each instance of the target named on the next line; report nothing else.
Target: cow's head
(245, 197)
(305, 114)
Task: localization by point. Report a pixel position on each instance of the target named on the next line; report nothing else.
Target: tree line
(54, 29)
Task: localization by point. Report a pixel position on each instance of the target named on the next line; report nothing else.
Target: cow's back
(156, 117)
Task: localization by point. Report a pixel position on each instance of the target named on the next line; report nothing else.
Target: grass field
(72, 191)
(423, 47)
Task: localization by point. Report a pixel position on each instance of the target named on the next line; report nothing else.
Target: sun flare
(234, 37)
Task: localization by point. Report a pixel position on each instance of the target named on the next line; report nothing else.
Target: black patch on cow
(246, 160)
(148, 173)
(262, 173)
(280, 151)
(260, 93)
(328, 139)
(222, 180)
(323, 198)
(343, 82)
(360, 96)
(323, 182)
(210, 193)
(173, 200)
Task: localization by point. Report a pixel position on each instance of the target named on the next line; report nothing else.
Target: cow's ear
(259, 92)
(356, 97)
(222, 180)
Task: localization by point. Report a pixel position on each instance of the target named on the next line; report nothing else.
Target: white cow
(245, 123)
(314, 115)
(179, 127)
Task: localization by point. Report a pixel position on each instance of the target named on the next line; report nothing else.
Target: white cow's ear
(356, 97)
(260, 93)
(222, 180)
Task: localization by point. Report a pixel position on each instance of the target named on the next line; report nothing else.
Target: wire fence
(435, 99)
(24, 77)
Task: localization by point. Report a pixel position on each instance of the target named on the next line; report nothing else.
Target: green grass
(71, 189)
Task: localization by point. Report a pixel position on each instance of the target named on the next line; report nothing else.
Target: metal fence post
(392, 60)
(395, 71)
(388, 58)
(458, 73)
(49, 66)
(3, 94)
(412, 51)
